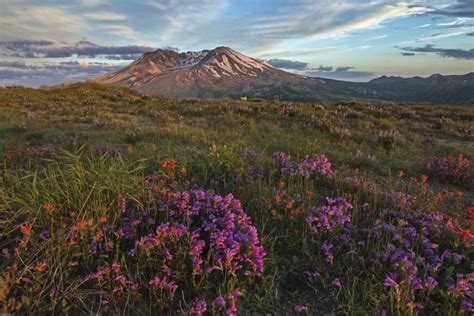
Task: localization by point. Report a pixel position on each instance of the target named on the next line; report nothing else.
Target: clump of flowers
(192, 233)
(333, 214)
(309, 165)
(18, 157)
(288, 110)
(175, 242)
(340, 132)
(420, 258)
(456, 168)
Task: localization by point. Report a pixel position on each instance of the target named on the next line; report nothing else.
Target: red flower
(470, 212)
(26, 230)
(48, 207)
(465, 234)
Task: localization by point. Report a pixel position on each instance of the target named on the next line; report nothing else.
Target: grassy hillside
(106, 205)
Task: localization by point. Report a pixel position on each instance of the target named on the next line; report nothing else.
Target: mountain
(436, 88)
(224, 72)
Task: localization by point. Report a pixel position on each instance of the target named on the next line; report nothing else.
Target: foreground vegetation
(116, 202)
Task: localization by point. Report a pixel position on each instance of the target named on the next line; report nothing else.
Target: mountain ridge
(224, 72)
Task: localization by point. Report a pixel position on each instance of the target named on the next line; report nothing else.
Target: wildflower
(334, 213)
(309, 194)
(168, 165)
(103, 301)
(458, 168)
(183, 171)
(122, 204)
(103, 219)
(389, 282)
(219, 302)
(48, 207)
(233, 294)
(289, 203)
(401, 173)
(42, 265)
(308, 166)
(336, 282)
(416, 284)
(381, 312)
(470, 212)
(26, 230)
(430, 283)
(115, 267)
(424, 178)
(301, 309)
(83, 224)
(198, 308)
(465, 234)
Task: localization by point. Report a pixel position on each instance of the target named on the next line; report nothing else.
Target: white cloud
(183, 15)
(119, 29)
(92, 3)
(439, 36)
(104, 16)
(421, 26)
(18, 21)
(377, 37)
(317, 19)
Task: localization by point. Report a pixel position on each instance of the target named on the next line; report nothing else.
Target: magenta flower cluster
(457, 168)
(307, 166)
(195, 233)
(334, 213)
(415, 255)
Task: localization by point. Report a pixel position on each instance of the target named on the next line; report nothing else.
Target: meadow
(116, 202)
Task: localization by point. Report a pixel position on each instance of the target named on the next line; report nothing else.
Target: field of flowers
(113, 202)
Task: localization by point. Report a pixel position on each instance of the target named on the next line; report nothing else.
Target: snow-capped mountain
(224, 72)
(198, 74)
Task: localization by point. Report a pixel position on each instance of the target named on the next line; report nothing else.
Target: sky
(45, 42)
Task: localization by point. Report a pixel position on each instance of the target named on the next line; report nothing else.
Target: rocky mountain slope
(224, 72)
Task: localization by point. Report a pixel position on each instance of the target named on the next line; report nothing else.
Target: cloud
(288, 64)
(470, 34)
(329, 72)
(463, 8)
(438, 36)
(421, 26)
(377, 37)
(308, 20)
(55, 20)
(92, 3)
(50, 49)
(458, 23)
(343, 75)
(122, 57)
(339, 73)
(407, 54)
(444, 52)
(323, 68)
(177, 16)
(27, 21)
(12, 64)
(344, 69)
(18, 72)
(104, 16)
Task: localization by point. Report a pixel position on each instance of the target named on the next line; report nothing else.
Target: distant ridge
(224, 72)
